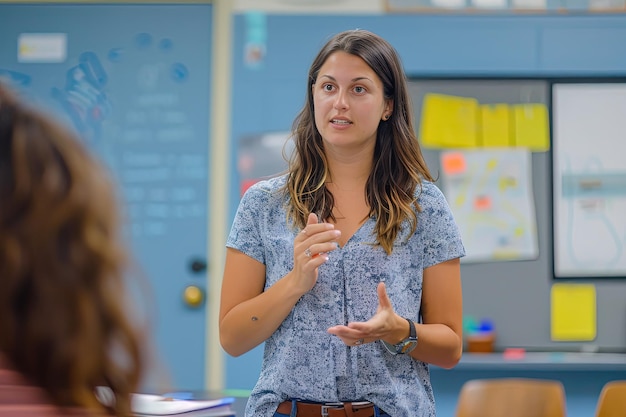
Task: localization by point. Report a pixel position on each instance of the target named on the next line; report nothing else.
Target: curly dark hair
(398, 165)
(63, 321)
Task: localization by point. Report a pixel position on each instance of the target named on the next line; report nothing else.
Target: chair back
(612, 400)
(511, 397)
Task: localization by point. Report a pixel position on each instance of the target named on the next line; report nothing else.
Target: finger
(383, 298)
(312, 219)
(327, 247)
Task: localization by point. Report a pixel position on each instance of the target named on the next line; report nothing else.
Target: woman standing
(347, 267)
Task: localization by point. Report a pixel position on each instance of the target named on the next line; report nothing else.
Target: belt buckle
(326, 407)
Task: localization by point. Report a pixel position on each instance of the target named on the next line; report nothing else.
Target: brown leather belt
(365, 409)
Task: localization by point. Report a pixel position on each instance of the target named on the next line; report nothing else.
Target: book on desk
(148, 405)
(174, 404)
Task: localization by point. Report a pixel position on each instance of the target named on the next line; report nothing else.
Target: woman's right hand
(310, 250)
(249, 313)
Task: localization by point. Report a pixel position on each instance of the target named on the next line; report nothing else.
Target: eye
(328, 87)
(359, 89)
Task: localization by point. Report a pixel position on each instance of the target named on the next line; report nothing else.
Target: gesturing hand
(310, 250)
(382, 325)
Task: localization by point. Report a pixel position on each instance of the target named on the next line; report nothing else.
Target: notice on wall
(573, 312)
(589, 180)
(490, 194)
(449, 121)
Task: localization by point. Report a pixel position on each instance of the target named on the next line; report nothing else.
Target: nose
(341, 100)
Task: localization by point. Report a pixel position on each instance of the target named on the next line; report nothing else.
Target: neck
(352, 163)
(349, 173)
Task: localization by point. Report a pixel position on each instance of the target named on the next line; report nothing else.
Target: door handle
(194, 296)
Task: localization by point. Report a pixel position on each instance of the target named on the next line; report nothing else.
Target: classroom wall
(267, 96)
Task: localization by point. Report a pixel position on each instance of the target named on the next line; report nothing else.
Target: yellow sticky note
(449, 122)
(573, 313)
(531, 129)
(495, 125)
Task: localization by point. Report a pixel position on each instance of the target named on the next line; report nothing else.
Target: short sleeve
(245, 234)
(436, 224)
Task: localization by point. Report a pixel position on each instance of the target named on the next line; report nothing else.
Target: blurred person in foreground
(64, 326)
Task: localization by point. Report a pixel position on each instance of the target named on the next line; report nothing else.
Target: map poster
(490, 194)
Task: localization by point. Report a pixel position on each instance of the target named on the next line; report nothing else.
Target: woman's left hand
(385, 324)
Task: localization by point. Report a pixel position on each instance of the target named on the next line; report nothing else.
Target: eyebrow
(352, 80)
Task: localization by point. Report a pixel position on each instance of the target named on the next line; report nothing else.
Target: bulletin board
(512, 289)
(480, 138)
(589, 179)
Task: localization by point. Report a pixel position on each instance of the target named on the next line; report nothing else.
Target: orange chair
(511, 397)
(612, 400)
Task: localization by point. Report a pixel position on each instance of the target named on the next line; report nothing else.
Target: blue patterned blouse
(301, 360)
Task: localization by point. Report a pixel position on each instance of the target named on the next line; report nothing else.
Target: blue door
(134, 81)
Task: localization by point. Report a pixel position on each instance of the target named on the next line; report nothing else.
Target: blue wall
(135, 83)
(268, 97)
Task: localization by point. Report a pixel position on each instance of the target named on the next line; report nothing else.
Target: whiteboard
(589, 179)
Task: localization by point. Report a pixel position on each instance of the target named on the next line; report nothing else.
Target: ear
(389, 105)
(388, 109)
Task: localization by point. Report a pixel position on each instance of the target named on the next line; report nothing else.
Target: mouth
(342, 122)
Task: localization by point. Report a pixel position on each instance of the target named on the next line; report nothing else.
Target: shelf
(542, 361)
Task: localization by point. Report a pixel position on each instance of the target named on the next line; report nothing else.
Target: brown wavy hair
(398, 166)
(63, 323)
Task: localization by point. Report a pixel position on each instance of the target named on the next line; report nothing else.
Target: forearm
(440, 338)
(250, 323)
(438, 344)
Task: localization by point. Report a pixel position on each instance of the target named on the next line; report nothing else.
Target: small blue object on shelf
(486, 325)
(479, 335)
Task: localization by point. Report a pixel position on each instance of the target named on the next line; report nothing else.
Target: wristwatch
(405, 346)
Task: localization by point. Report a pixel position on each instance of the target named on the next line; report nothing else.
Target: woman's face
(348, 102)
